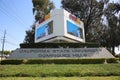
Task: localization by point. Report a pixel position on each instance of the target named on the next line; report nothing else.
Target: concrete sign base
(28, 53)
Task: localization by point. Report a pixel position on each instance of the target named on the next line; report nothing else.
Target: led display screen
(74, 30)
(44, 30)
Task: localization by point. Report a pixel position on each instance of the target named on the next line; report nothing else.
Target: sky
(16, 17)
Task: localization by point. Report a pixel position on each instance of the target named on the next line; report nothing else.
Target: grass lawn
(61, 70)
(62, 78)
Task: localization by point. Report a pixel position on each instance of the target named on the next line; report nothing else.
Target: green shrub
(112, 60)
(39, 61)
(15, 61)
(62, 61)
(78, 61)
(57, 45)
(92, 61)
(66, 61)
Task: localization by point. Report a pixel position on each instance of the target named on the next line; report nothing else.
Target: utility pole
(3, 44)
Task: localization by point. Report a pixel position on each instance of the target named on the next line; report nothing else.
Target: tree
(89, 11)
(40, 9)
(6, 52)
(113, 17)
(30, 34)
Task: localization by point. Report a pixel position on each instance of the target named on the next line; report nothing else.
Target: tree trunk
(113, 48)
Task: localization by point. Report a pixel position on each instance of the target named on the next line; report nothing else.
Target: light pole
(3, 44)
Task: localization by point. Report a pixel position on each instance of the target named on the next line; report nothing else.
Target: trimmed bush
(78, 61)
(38, 61)
(57, 45)
(62, 61)
(112, 60)
(15, 61)
(92, 61)
(65, 61)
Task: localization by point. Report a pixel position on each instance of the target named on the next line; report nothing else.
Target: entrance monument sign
(60, 26)
(61, 53)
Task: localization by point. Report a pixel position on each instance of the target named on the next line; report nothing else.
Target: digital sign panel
(44, 30)
(74, 30)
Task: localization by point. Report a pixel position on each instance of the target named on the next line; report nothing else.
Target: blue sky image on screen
(40, 31)
(44, 30)
(73, 29)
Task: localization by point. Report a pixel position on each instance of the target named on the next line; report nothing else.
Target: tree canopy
(112, 13)
(93, 13)
(89, 11)
(40, 9)
(6, 52)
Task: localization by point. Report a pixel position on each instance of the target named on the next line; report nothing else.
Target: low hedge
(12, 61)
(61, 61)
(65, 61)
(112, 60)
(57, 45)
